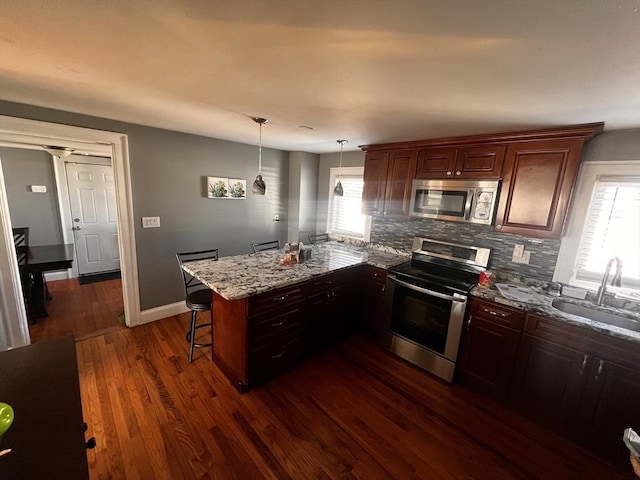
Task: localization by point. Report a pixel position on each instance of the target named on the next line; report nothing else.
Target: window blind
(345, 217)
(612, 228)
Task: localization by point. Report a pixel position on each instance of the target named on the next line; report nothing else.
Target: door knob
(76, 228)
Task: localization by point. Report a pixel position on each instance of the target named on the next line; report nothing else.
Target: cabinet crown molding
(584, 131)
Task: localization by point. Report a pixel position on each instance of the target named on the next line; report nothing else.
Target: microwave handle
(470, 204)
(425, 291)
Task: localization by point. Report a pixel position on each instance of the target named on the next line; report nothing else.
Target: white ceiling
(370, 71)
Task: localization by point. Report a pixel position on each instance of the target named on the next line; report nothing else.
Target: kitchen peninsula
(268, 315)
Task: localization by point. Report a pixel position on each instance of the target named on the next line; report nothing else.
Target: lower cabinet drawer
(267, 362)
(269, 327)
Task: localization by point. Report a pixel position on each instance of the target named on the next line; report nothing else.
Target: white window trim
(565, 271)
(333, 174)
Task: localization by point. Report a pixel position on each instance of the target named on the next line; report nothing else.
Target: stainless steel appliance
(471, 201)
(425, 303)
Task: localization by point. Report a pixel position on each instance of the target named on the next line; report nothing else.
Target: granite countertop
(242, 276)
(544, 307)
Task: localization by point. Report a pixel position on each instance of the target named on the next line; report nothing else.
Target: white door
(92, 198)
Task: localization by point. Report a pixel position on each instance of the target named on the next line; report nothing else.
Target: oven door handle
(426, 291)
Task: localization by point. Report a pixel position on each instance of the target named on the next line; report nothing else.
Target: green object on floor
(121, 319)
(6, 417)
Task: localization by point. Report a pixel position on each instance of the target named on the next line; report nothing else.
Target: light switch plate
(150, 222)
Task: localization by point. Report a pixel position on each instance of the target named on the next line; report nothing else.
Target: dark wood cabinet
(610, 404)
(585, 384)
(436, 163)
(549, 381)
(581, 383)
(538, 169)
(331, 309)
(483, 161)
(536, 187)
(257, 337)
(388, 178)
(490, 346)
(376, 165)
(402, 170)
(373, 289)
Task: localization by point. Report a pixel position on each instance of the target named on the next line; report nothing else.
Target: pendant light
(339, 191)
(259, 187)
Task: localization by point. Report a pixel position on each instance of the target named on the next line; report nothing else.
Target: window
(344, 216)
(605, 223)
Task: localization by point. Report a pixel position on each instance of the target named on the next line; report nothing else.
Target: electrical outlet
(518, 251)
(524, 258)
(150, 222)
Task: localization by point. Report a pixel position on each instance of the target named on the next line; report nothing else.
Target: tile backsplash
(400, 233)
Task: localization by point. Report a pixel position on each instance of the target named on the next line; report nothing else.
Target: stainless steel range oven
(426, 300)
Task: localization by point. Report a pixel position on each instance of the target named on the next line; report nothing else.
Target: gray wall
(303, 194)
(168, 171)
(38, 211)
(328, 161)
(614, 145)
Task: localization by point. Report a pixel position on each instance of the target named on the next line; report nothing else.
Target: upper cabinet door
(436, 163)
(376, 165)
(480, 162)
(537, 182)
(402, 170)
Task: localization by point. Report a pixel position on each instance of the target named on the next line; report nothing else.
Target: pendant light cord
(260, 152)
(341, 142)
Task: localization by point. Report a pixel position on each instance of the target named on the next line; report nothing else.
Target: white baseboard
(158, 313)
(57, 275)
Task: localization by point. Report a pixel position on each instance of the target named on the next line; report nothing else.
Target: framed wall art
(233, 188)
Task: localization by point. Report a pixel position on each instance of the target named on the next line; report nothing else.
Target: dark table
(42, 259)
(47, 440)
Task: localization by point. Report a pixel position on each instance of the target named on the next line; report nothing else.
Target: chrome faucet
(616, 281)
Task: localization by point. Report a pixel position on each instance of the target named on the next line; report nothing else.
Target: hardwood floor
(80, 310)
(353, 412)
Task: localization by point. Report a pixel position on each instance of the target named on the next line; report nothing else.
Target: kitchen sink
(597, 315)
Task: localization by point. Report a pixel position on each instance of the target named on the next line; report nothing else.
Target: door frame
(32, 132)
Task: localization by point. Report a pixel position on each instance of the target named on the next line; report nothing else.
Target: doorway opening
(34, 134)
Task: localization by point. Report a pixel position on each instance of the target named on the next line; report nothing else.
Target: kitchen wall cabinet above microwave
(484, 161)
(538, 169)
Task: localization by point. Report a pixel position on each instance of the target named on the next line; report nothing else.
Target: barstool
(272, 245)
(198, 296)
(317, 238)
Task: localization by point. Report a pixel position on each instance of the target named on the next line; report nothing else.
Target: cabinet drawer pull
(584, 364)
(449, 172)
(278, 355)
(458, 173)
(495, 314)
(278, 324)
(600, 368)
(279, 299)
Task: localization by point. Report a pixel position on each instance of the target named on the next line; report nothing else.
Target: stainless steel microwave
(472, 201)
